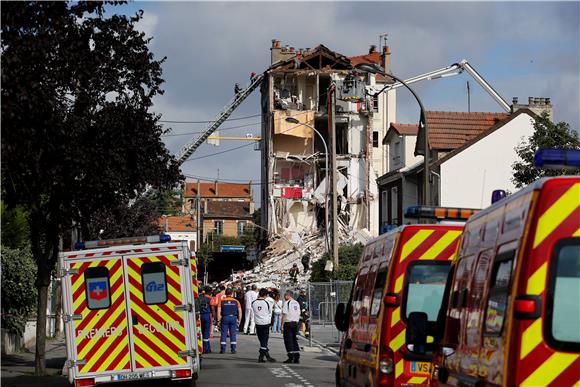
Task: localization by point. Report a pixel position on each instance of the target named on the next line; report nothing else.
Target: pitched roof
(177, 223)
(328, 59)
(373, 57)
(227, 210)
(218, 189)
(404, 129)
(493, 128)
(449, 130)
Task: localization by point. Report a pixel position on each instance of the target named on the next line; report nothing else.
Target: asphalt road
(316, 368)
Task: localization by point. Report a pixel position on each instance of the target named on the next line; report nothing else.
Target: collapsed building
(294, 178)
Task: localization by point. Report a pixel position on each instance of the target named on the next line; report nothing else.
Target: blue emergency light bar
(122, 241)
(447, 213)
(557, 158)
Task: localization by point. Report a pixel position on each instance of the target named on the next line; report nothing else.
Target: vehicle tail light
(84, 382)
(182, 373)
(527, 307)
(386, 374)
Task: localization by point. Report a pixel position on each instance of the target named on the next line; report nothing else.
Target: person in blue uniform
(229, 314)
(205, 315)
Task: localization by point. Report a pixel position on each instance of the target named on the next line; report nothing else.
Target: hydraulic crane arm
(449, 71)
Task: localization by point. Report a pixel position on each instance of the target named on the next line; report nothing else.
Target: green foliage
(348, 258)
(167, 202)
(546, 135)
(18, 291)
(15, 233)
(78, 134)
(125, 219)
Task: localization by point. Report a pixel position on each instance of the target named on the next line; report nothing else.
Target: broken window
(342, 138)
(323, 84)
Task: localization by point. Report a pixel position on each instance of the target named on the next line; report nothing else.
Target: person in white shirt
(290, 318)
(263, 314)
(250, 297)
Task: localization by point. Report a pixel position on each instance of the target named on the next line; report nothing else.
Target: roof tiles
(177, 223)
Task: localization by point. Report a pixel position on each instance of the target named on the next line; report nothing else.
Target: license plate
(419, 367)
(134, 376)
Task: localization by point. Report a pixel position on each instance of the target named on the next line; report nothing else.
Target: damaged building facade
(295, 185)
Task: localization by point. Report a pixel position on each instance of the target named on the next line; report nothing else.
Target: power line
(219, 153)
(198, 132)
(207, 122)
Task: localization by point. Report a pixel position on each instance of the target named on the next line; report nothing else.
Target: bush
(348, 258)
(18, 290)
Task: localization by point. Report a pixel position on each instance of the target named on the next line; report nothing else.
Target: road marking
(280, 373)
(287, 370)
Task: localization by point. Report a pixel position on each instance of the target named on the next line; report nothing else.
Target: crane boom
(449, 71)
(188, 149)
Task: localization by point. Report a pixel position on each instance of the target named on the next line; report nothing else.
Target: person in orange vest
(229, 314)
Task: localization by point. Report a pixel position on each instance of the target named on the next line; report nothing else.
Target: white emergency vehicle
(129, 311)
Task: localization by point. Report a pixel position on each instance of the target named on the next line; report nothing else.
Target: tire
(186, 383)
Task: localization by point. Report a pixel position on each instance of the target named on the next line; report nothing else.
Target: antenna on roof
(468, 98)
(383, 38)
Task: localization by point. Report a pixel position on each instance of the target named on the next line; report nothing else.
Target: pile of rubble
(287, 249)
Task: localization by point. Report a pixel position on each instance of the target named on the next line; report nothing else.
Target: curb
(320, 345)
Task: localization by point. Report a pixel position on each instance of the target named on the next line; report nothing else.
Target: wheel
(186, 383)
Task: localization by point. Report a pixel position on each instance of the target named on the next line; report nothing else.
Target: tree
(18, 291)
(15, 233)
(78, 134)
(125, 219)
(546, 135)
(348, 257)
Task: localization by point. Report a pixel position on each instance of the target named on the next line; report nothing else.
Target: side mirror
(341, 317)
(416, 334)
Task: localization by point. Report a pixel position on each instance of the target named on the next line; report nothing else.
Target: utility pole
(333, 176)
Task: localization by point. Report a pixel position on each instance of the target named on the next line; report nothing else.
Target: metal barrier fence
(323, 298)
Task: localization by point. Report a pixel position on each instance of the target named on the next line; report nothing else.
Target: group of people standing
(263, 311)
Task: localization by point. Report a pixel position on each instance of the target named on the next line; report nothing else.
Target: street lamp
(293, 120)
(374, 68)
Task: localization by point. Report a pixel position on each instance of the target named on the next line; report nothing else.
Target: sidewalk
(18, 369)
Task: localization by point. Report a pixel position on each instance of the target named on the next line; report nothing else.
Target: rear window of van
(424, 287)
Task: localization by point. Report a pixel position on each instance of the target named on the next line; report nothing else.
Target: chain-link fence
(323, 298)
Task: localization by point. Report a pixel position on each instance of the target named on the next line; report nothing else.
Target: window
(499, 293)
(375, 103)
(97, 288)
(562, 306)
(395, 206)
(154, 283)
(424, 287)
(378, 291)
(218, 227)
(375, 139)
(241, 227)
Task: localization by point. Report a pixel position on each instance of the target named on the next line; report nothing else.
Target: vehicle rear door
(160, 315)
(98, 322)
(419, 277)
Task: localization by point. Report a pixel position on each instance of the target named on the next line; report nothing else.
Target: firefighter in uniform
(290, 318)
(229, 314)
(263, 314)
(205, 315)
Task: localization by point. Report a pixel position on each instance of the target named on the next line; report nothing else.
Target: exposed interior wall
(292, 145)
(300, 216)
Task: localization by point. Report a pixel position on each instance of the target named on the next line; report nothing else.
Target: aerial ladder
(449, 71)
(188, 149)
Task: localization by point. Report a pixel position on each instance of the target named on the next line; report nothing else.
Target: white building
(472, 155)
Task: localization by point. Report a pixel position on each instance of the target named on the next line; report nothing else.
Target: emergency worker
(290, 318)
(263, 314)
(229, 313)
(205, 315)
